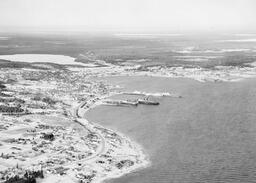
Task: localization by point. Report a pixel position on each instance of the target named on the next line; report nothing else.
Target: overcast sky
(181, 15)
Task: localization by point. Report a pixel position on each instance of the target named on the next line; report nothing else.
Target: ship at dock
(144, 101)
(120, 102)
(147, 102)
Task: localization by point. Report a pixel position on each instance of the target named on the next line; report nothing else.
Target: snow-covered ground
(80, 150)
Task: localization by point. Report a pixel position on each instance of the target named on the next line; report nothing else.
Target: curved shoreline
(80, 118)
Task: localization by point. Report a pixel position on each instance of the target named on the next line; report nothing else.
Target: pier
(130, 103)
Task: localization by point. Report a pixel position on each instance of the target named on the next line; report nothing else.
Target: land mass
(44, 133)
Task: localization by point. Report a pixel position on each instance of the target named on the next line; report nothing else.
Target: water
(209, 135)
(46, 58)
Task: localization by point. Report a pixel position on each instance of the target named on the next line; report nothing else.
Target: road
(89, 126)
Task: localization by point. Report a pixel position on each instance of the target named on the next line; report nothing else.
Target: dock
(148, 102)
(120, 102)
(131, 103)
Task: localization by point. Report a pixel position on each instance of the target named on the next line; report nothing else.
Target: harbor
(173, 130)
(136, 98)
(127, 102)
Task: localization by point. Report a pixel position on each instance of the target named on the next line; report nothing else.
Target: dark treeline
(28, 177)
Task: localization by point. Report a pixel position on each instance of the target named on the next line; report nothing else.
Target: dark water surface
(209, 135)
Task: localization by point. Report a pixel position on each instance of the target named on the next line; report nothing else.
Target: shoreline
(87, 124)
(137, 157)
(164, 154)
(106, 153)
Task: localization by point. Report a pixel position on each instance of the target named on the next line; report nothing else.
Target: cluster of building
(216, 74)
(44, 134)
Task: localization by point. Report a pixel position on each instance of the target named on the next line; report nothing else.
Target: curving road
(89, 126)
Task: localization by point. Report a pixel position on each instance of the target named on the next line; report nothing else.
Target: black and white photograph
(127, 91)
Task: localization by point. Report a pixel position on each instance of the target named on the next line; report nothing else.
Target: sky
(128, 15)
